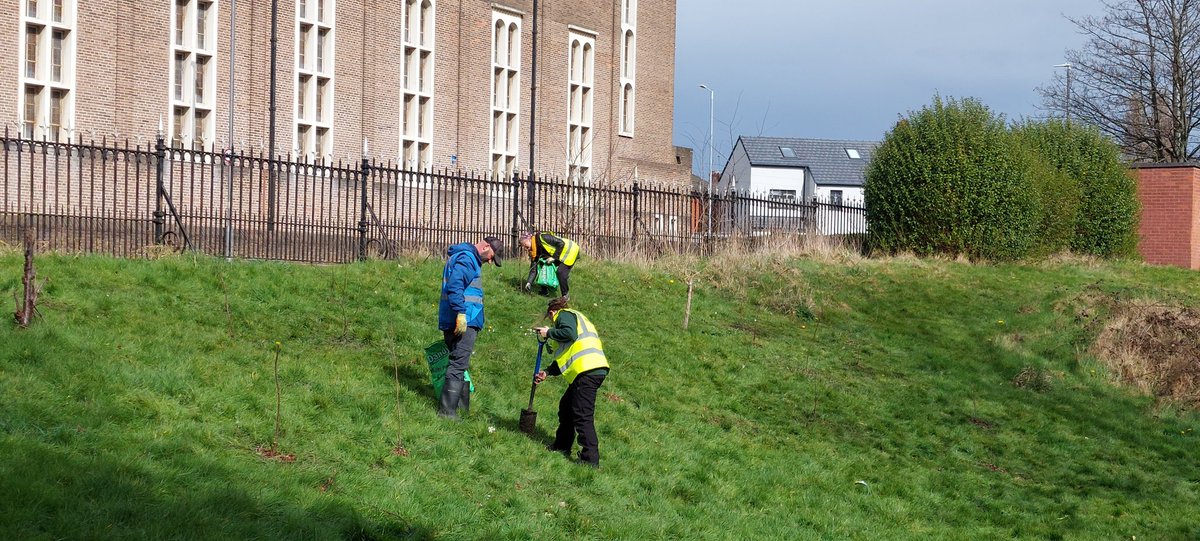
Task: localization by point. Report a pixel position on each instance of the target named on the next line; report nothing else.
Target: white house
(788, 169)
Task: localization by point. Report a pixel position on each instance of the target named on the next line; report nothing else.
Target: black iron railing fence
(124, 200)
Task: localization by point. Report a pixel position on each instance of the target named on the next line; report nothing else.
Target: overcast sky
(849, 69)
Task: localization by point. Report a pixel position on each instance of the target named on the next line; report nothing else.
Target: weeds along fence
(128, 200)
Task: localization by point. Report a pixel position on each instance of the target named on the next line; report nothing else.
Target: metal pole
(533, 95)
(1068, 93)
(708, 198)
(711, 147)
(1067, 108)
(232, 92)
(271, 127)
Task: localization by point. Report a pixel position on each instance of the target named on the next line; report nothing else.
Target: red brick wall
(1169, 233)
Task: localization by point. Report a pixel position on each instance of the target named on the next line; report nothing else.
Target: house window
(416, 88)
(665, 224)
(315, 54)
(628, 66)
(782, 196)
(835, 197)
(31, 50)
(506, 92)
(29, 120)
(580, 68)
(46, 100)
(787, 152)
(194, 75)
(852, 153)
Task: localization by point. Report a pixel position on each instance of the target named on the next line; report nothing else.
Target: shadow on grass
(517, 284)
(415, 378)
(51, 492)
(539, 435)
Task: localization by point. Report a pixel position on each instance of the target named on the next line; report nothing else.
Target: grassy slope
(132, 410)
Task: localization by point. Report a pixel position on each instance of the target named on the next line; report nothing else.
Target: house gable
(829, 162)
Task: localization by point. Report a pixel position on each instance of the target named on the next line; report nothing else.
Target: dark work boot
(451, 395)
(464, 400)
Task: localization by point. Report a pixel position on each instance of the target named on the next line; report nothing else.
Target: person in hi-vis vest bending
(554, 249)
(579, 359)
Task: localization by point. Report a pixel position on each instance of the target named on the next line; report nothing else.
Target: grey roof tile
(826, 159)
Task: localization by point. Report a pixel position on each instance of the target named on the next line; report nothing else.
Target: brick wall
(1169, 233)
(123, 65)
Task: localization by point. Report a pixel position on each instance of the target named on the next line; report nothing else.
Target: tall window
(416, 88)
(506, 92)
(47, 97)
(314, 78)
(194, 74)
(628, 66)
(580, 68)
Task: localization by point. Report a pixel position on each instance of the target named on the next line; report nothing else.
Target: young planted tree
(1137, 79)
(27, 305)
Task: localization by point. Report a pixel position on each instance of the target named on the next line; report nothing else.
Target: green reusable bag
(437, 355)
(547, 274)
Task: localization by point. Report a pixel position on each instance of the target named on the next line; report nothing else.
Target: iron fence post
(516, 220)
(160, 151)
(362, 221)
(636, 193)
(529, 205)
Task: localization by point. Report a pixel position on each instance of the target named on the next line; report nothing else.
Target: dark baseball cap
(497, 247)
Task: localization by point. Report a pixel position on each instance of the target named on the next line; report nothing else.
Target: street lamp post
(711, 100)
(1067, 65)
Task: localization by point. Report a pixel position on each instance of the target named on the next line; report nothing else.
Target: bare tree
(1137, 78)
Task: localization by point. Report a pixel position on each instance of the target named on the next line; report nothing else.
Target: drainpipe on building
(271, 127)
(533, 94)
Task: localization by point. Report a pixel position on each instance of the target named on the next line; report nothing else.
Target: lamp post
(1067, 65)
(711, 99)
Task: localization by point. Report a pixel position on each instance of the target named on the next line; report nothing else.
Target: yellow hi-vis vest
(585, 353)
(567, 255)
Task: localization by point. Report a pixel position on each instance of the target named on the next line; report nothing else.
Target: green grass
(133, 407)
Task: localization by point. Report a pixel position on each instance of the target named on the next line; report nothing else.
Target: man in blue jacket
(460, 315)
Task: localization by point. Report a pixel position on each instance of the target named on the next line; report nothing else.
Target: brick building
(1169, 230)
(430, 84)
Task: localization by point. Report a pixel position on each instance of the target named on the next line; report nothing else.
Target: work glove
(528, 286)
(460, 324)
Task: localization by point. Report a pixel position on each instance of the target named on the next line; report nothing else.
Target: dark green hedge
(951, 179)
(1107, 218)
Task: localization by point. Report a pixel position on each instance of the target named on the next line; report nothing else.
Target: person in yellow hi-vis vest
(548, 247)
(579, 359)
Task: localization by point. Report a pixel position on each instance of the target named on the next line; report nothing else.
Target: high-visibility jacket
(567, 254)
(584, 353)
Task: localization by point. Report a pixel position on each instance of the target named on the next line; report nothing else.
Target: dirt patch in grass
(1152, 346)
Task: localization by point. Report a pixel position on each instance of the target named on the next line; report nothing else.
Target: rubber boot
(464, 400)
(451, 395)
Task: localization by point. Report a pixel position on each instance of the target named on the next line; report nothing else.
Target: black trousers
(461, 347)
(576, 417)
(564, 274)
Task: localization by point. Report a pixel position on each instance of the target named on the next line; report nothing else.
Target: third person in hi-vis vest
(579, 359)
(550, 248)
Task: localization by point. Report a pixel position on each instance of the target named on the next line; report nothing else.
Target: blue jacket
(462, 287)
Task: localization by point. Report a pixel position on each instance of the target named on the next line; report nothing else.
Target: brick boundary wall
(1169, 232)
